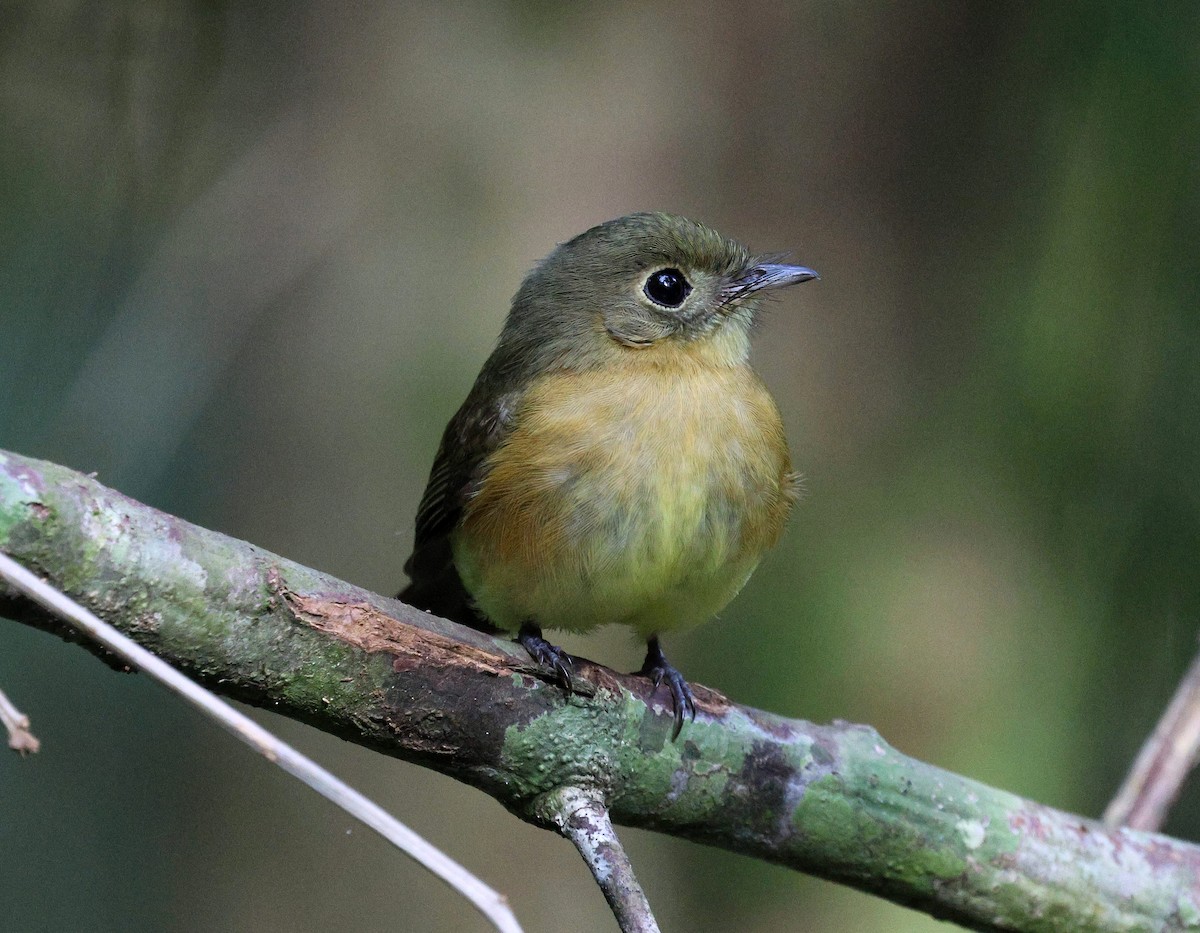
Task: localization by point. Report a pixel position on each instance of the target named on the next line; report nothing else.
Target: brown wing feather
(478, 428)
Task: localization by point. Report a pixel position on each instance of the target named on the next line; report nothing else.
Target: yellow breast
(641, 494)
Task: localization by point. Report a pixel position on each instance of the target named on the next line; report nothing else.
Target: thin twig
(1154, 781)
(583, 818)
(20, 739)
(489, 902)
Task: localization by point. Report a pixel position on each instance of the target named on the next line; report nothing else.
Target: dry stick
(489, 902)
(583, 818)
(1153, 782)
(20, 739)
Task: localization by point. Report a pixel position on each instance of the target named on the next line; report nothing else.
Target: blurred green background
(252, 256)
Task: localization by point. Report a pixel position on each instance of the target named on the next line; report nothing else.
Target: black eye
(667, 287)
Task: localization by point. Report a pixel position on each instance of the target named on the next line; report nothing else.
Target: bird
(617, 460)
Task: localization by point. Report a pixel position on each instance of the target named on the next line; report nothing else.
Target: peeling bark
(834, 801)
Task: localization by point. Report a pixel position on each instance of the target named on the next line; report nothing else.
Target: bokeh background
(252, 255)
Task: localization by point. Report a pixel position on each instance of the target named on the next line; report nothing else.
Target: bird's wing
(476, 430)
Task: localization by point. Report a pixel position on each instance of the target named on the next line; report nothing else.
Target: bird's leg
(658, 669)
(546, 654)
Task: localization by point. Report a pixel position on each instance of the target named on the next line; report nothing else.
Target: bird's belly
(616, 501)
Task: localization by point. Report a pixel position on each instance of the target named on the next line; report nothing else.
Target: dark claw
(547, 655)
(658, 668)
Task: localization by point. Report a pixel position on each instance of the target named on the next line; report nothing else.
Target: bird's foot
(658, 669)
(546, 654)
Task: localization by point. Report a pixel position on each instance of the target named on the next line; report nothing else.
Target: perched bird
(617, 459)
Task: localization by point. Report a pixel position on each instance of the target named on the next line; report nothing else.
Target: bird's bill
(775, 275)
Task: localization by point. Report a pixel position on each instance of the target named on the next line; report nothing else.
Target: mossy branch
(834, 801)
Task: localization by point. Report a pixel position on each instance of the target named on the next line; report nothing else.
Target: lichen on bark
(834, 800)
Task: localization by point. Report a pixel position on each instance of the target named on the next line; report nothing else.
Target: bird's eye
(667, 287)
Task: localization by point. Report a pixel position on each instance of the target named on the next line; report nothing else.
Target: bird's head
(637, 283)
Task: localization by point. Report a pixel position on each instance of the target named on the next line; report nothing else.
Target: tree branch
(1164, 762)
(582, 817)
(16, 724)
(835, 801)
